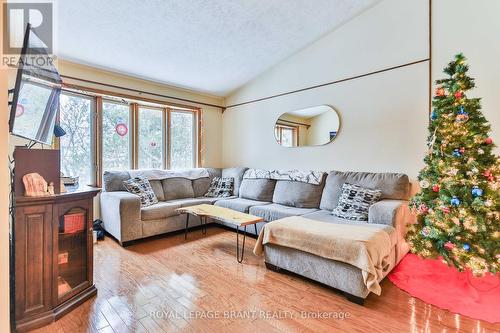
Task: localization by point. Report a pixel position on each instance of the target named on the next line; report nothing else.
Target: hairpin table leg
(203, 221)
(239, 257)
(255, 225)
(187, 223)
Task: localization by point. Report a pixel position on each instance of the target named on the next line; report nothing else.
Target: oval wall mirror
(313, 126)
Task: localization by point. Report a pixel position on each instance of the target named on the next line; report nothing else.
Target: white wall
(383, 117)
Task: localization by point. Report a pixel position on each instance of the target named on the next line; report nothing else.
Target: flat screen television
(36, 94)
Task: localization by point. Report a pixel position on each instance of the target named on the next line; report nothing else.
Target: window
(151, 143)
(130, 135)
(115, 136)
(286, 135)
(77, 146)
(182, 137)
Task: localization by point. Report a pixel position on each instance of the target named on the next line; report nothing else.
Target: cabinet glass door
(72, 252)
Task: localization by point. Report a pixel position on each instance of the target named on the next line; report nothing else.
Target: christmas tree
(458, 205)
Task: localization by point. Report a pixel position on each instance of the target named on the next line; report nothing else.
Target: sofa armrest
(395, 213)
(121, 214)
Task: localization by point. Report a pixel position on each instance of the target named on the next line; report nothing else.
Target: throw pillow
(354, 202)
(221, 187)
(143, 189)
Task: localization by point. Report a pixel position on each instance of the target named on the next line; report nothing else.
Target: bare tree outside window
(76, 146)
(182, 136)
(115, 136)
(150, 138)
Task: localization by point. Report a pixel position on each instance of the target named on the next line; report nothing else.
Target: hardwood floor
(172, 285)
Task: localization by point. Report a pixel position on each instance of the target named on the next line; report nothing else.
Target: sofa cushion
(201, 185)
(297, 194)
(113, 180)
(221, 188)
(240, 204)
(275, 211)
(160, 210)
(326, 216)
(355, 201)
(237, 174)
(157, 187)
(141, 187)
(177, 188)
(257, 189)
(392, 185)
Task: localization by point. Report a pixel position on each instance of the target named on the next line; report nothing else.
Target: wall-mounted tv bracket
(11, 91)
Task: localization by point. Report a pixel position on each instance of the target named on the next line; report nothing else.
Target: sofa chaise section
(126, 220)
(392, 210)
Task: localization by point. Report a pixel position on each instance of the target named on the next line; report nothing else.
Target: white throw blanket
(309, 177)
(365, 246)
(158, 174)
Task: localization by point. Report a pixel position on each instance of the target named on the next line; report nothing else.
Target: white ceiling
(205, 45)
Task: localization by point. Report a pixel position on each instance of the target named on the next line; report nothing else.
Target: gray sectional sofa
(270, 199)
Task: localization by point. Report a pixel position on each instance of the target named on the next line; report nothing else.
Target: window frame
(94, 159)
(195, 134)
(101, 96)
(295, 134)
(164, 138)
(100, 103)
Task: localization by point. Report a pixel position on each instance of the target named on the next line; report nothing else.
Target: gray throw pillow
(355, 201)
(141, 187)
(221, 187)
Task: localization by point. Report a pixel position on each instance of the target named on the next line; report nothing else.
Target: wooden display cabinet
(53, 251)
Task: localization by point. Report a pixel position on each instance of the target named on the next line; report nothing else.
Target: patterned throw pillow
(354, 202)
(221, 187)
(143, 189)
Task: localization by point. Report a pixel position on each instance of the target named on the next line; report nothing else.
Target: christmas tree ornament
(449, 245)
(424, 183)
(476, 191)
(487, 173)
(440, 92)
(462, 116)
(423, 209)
(462, 204)
(434, 115)
(426, 231)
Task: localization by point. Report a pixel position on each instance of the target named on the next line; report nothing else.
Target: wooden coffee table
(222, 214)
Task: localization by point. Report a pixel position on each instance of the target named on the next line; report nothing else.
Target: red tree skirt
(435, 283)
